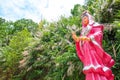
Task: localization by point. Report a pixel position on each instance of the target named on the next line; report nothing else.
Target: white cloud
(36, 9)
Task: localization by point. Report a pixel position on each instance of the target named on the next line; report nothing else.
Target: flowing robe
(96, 61)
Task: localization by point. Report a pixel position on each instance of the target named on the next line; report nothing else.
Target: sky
(51, 10)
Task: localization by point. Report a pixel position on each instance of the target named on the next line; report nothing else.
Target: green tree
(6, 29)
(77, 10)
(11, 54)
(54, 53)
(25, 23)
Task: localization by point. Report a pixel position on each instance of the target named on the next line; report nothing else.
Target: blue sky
(36, 10)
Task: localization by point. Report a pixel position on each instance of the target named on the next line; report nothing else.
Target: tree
(11, 54)
(77, 10)
(25, 23)
(6, 30)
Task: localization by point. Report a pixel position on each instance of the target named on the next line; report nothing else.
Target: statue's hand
(84, 38)
(76, 39)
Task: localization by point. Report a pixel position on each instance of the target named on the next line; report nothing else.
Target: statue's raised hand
(76, 39)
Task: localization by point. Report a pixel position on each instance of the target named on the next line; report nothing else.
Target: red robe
(96, 61)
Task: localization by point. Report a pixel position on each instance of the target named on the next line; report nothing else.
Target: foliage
(77, 10)
(11, 54)
(6, 29)
(25, 23)
(53, 54)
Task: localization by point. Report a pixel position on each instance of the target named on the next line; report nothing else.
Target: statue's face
(85, 21)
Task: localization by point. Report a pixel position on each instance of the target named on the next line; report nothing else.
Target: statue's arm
(97, 36)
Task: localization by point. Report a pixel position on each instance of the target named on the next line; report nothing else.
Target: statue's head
(87, 19)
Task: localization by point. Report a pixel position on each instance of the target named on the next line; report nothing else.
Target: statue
(96, 61)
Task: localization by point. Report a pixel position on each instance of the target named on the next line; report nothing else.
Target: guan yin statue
(97, 63)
